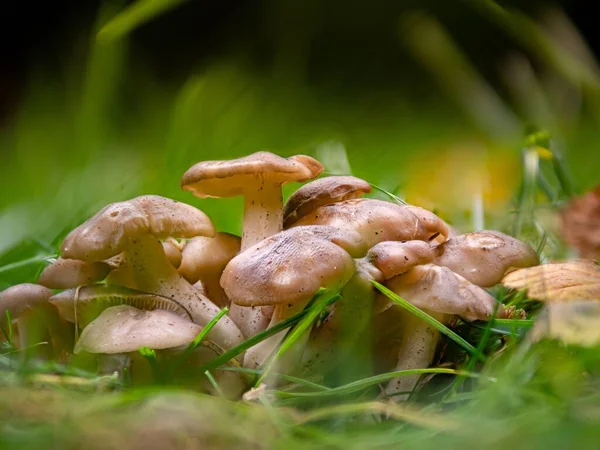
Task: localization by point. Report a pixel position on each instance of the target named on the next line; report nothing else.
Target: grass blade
(430, 320)
(26, 262)
(290, 378)
(319, 303)
(241, 348)
(389, 194)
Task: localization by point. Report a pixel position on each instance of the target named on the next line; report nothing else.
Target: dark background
(352, 43)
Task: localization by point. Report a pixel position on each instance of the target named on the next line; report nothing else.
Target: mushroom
(321, 192)
(378, 221)
(286, 271)
(441, 293)
(124, 329)
(36, 320)
(134, 228)
(339, 333)
(483, 257)
(258, 177)
(70, 273)
(203, 260)
(173, 251)
(84, 304)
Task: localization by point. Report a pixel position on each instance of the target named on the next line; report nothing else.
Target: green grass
(68, 152)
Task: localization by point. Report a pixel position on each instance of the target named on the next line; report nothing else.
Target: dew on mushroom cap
(323, 191)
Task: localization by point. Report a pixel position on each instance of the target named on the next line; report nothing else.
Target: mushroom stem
(415, 350)
(257, 355)
(34, 339)
(263, 208)
(339, 334)
(153, 273)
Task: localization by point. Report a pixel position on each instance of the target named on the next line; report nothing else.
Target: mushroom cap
(376, 220)
(123, 329)
(323, 191)
(20, 298)
(287, 267)
(207, 256)
(438, 289)
(394, 258)
(92, 300)
(105, 234)
(70, 273)
(229, 178)
(483, 257)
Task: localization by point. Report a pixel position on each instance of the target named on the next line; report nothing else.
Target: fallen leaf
(573, 323)
(560, 282)
(580, 224)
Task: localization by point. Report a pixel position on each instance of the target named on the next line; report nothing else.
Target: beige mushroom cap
(206, 255)
(286, 268)
(324, 191)
(172, 249)
(92, 300)
(483, 257)
(438, 289)
(124, 329)
(228, 178)
(394, 258)
(376, 221)
(106, 233)
(70, 273)
(20, 298)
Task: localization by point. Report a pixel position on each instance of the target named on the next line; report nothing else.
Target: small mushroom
(258, 177)
(483, 257)
(286, 271)
(173, 251)
(203, 260)
(321, 192)
(70, 273)
(441, 293)
(36, 320)
(86, 303)
(377, 221)
(124, 329)
(134, 228)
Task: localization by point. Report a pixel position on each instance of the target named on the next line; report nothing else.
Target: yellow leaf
(574, 323)
(560, 282)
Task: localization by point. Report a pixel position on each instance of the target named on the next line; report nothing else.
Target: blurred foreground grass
(111, 132)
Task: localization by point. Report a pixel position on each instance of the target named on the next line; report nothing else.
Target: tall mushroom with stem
(258, 177)
(442, 294)
(286, 271)
(134, 228)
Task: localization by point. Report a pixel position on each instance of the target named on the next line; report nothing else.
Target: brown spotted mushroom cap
(394, 258)
(323, 191)
(288, 267)
(483, 257)
(377, 221)
(208, 255)
(106, 233)
(229, 178)
(440, 290)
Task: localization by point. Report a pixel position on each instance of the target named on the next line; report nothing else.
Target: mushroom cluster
(153, 272)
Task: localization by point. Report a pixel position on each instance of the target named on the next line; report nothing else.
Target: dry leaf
(573, 323)
(574, 280)
(580, 224)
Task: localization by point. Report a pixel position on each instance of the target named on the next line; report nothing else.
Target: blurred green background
(430, 100)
